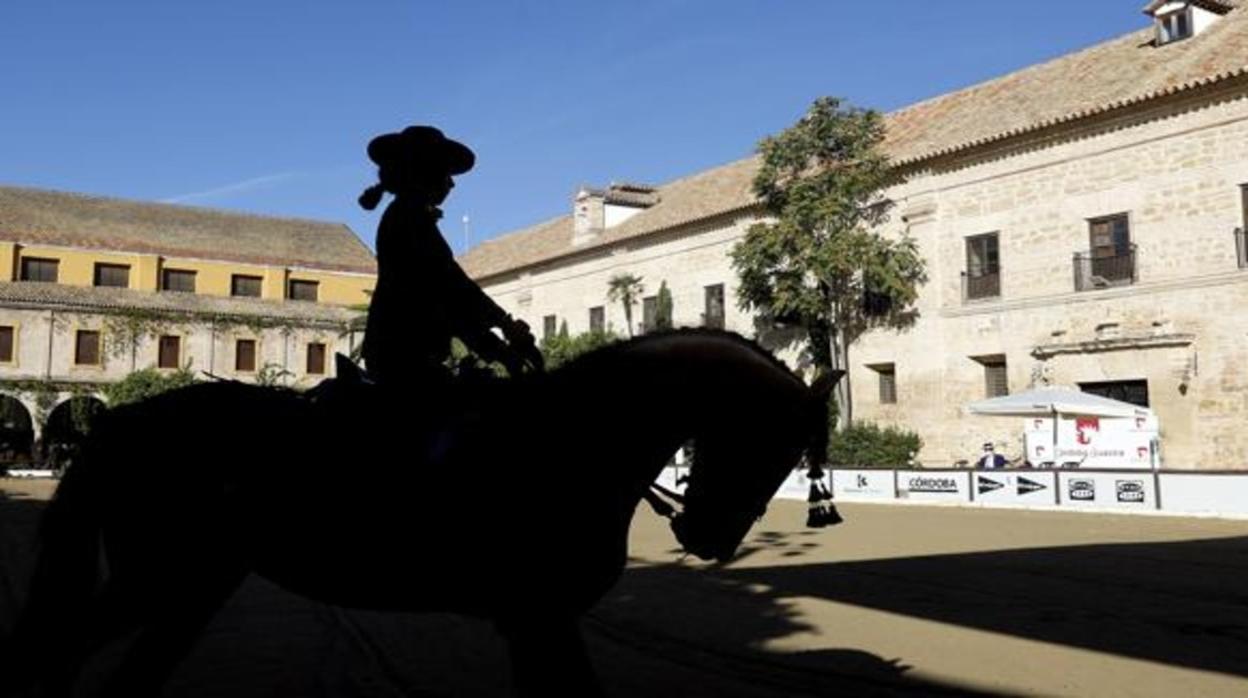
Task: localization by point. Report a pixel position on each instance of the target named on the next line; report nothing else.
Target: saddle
(430, 418)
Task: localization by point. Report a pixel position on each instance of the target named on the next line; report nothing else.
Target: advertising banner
(1205, 493)
(797, 485)
(1093, 442)
(1107, 490)
(863, 484)
(934, 485)
(1015, 488)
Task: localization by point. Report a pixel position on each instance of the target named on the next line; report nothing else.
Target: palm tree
(625, 288)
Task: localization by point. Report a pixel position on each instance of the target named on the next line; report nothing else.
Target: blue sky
(266, 105)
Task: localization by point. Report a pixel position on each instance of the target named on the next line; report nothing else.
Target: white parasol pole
(1054, 451)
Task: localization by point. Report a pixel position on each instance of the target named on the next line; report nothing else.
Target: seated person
(991, 459)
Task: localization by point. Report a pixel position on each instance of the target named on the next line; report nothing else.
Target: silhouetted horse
(518, 513)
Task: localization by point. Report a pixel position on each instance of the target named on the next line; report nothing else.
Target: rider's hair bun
(372, 196)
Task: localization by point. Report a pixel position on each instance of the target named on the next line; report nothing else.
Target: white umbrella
(1054, 401)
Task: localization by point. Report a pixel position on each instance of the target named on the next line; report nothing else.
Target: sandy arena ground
(896, 601)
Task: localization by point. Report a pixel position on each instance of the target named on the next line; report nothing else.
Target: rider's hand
(517, 332)
(522, 342)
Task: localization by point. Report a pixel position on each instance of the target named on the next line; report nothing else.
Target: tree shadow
(707, 629)
(1181, 604)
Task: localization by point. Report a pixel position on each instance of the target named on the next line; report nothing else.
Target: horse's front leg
(548, 658)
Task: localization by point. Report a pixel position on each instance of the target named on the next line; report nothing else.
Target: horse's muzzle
(699, 542)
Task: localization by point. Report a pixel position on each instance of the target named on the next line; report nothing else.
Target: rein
(654, 497)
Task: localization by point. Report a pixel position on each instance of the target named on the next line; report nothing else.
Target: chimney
(588, 214)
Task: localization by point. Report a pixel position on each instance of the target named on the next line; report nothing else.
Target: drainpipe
(212, 345)
(47, 373)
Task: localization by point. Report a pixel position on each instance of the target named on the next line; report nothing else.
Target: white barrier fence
(1219, 493)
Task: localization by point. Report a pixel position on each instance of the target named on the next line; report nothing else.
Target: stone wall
(1174, 169)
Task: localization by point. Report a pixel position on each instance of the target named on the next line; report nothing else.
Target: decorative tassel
(821, 511)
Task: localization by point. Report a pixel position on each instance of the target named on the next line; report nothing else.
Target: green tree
(663, 311)
(820, 266)
(561, 348)
(865, 445)
(146, 383)
(626, 289)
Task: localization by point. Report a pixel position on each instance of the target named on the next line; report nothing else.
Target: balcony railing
(980, 286)
(1094, 271)
(1241, 247)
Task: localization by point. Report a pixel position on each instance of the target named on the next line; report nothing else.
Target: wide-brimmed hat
(421, 146)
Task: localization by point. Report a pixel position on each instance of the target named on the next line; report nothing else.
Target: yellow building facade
(94, 289)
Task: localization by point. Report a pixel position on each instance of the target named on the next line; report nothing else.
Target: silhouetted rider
(423, 298)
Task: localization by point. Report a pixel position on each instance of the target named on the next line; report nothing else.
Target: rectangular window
(649, 313)
(1132, 391)
(169, 352)
(713, 316)
(1243, 205)
(245, 355)
(178, 280)
(1174, 26)
(1109, 236)
(245, 286)
(983, 266)
(996, 375)
(888, 382)
(316, 359)
(112, 275)
(549, 326)
(36, 269)
(87, 348)
(597, 319)
(1241, 233)
(1111, 257)
(7, 335)
(302, 290)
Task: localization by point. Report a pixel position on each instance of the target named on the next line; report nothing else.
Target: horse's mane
(610, 350)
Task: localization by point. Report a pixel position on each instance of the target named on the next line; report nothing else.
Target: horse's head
(718, 511)
(738, 468)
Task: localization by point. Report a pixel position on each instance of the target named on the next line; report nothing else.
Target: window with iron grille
(996, 375)
(316, 359)
(597, 319)
(112, 275)
(983, 266)
(36, 269)
(7, 336)
(169, 352)
(87, 348)
(888, 382)
(245, 355)
(649, 313)
(302, 290)
(714, 315)
(1132, 391)
(177, 280)
(245, 286)
(1241, 233)
(550, 326)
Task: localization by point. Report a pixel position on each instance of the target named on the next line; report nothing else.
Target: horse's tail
(64, 581)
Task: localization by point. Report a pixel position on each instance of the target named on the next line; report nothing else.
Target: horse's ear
(826, 382)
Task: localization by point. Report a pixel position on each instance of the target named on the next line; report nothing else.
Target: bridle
(654, 496)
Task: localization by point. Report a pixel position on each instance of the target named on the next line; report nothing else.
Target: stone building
(93, 289)
(1082, 222)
